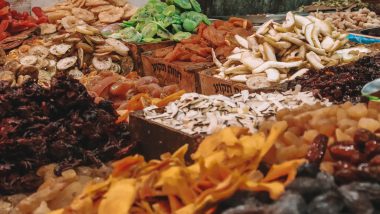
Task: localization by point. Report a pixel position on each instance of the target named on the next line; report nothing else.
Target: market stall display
(289, 123)
(281, 52)
(351, 20)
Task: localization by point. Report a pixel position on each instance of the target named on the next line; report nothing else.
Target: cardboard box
(185, 74)
(154, 139)
(211, 85)
(137, 49)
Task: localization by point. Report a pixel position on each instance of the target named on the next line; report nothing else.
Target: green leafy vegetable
(157, 21)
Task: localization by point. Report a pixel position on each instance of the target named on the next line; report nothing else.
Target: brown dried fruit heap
(342, 83)
(61, 125)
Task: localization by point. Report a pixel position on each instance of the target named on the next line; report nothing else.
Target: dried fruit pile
(15, 26)
(55, 192)
(218, 36)
(223, 164)
(341, 83)
(351, 21)
(157, 21)
(130, 92)
(92, 12)
(74, 53)
(200, 114)
(338, 122)
(281, 52)
(61, 125)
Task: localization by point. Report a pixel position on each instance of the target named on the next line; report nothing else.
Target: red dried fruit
(317, 150)
(346, 153)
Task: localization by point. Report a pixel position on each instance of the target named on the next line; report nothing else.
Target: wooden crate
(185, 74)
(211, 85)
(137, 49)
(154, 139)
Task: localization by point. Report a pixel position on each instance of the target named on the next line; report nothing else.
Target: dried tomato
(4, 11)
(4, 25)
(3, 35)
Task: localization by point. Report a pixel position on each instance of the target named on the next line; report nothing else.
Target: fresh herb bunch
(158, 21)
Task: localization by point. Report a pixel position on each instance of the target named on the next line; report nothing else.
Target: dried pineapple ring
(70, 22)
(59, 50)
(83, 14)
(112, 15)
(66, 63)
(28, 60)
(102, 65)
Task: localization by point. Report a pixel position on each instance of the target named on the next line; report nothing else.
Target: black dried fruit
(356, 202)
(61, 125)
(328, 203)
(289, 203)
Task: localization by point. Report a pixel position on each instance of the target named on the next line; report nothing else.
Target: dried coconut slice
(257, 82)
(66, 63)
(112, 15)
(28, 60)
(83, 14)
(102, 64)
(59, 50)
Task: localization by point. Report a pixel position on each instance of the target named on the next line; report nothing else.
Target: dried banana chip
(93, 3)
(101, 8)
(112, 15)
(83, 14)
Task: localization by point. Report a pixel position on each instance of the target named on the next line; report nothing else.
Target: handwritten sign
(221, 88)
(166, 70)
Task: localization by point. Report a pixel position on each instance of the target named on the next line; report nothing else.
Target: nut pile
(94, 12)
(277, 50)
(200, 114)
(351, 21)
(338, 122)
(72, 53)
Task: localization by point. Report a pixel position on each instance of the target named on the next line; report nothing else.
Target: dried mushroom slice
(30, 71)
(76, 73)
(7, 76)
(59, 50)
(66, 63)
(2, 57)
(40, 51)
(102, 65)
(12, 65)
(28, 60)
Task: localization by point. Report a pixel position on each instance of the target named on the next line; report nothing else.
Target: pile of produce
(351, 21)
(341, 83)
(157, 21)
(130, 92)
(218, 36)
(55, 191)
(15, 27)
(74, 53)
(339, 123)
(340, 4)
(200, 114)
(277, 50)
(93, 12)
(58, 125)
(223, 164)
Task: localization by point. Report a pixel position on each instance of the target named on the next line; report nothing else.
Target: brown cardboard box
(138, 48)
(185, 74)
(154, 139)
